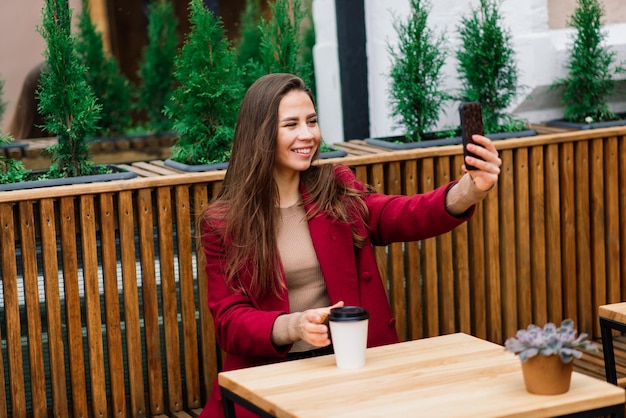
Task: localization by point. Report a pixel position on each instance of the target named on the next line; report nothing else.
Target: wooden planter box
(107, 274)
(116, 150)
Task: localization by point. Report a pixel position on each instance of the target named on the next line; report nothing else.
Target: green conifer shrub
(308, 42)
(157, 66)
(205, 104)
(11, 170)
(249, 40)
(282, 41)
(487, 66)
(589, 84)
(67, 102)
(111, 87)
(416, 97)
(248, 44)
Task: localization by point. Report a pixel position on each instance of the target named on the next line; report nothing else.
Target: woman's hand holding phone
(482, 161)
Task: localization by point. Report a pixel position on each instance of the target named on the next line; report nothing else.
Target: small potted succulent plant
(547, 355)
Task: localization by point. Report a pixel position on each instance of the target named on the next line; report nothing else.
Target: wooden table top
(455, 375)
(613, 311)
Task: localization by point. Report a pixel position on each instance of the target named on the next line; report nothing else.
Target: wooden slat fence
(102, 297)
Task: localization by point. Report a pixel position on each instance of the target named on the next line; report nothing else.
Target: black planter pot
(190, 168)
(338, 153)
(594, 125)
(438, 142)
(118, 174)
(390, 144)
(509, 135)
(195, 168)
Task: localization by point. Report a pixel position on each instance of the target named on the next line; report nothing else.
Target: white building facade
(540, 36)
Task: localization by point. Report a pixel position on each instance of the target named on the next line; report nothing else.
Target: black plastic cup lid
(348, 313)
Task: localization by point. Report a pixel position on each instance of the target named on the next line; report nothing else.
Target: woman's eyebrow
(292, 118)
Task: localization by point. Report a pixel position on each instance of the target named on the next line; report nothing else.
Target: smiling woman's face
(298, 133)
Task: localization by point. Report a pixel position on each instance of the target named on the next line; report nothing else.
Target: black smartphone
(471, 114)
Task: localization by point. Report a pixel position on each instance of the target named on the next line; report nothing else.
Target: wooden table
(455, 375)
(612, 317)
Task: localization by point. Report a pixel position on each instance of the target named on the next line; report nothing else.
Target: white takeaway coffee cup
(348, 332)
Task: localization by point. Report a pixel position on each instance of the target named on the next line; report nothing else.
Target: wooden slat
(592, 362)
(586, 316)
(153, 168)
(621, 179)
(33, 313)
(460, 263)
(537, 236)
(413, 274)
(73, 309)
(355, 145)
(165, 218)
(568, 230)
(168, 170)
(115, 355)
(361, 173)
(492, 266)
(12, 311)
(92, 307)
(478, 276)
(612, 221)
(598, 231)
(138, 170)
(3, 383)
(209, 349)
(150, 302)
(522, 234)
(447, 310)
(393, 185)
(131, 305)
(553, 233)
(60, 401)
(542, 128)
(506, 194)
(376, 179)
(429, 259)
(188, 302)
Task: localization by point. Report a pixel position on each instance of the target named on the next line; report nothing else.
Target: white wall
(541, 56)
(21, 47)
(326, 60)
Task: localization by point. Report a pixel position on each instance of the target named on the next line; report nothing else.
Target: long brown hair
(246, 207)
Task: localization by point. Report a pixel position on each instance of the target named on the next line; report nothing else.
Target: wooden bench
(103, 291)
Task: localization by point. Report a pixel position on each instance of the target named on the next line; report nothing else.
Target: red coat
(243, 325)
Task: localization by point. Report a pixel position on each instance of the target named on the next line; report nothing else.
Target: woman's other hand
(312, 327)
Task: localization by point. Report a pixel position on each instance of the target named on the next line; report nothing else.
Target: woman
(285, 240)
